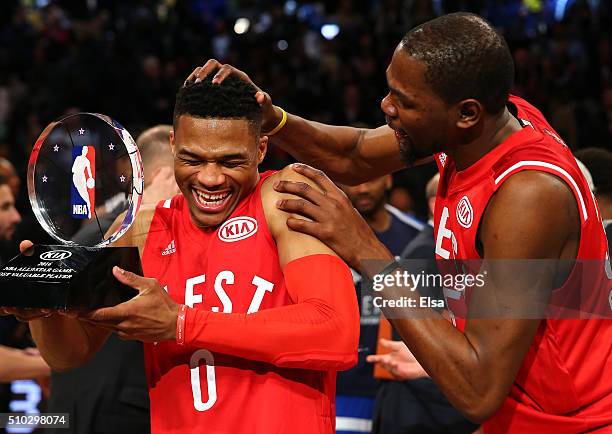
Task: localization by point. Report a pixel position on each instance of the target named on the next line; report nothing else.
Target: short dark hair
(465, 58)
(232, 99)
(599, 163)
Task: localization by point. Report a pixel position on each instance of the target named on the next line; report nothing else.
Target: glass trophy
(85, 183)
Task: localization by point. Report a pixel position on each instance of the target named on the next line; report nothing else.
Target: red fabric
(565, 382)
(295, 336)
(195, 388)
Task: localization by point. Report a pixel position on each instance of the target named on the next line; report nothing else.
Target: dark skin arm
(474, 369)
(348, 155)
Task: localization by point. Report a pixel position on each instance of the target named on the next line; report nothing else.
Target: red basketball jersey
(565, 382)
(233, 268)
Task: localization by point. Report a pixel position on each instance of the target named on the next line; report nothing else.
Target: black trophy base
(67, 277)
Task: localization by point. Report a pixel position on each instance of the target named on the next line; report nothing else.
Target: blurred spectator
(7, 170)
(401, 199)
(356, 388)
(9, 216)
(17, 364)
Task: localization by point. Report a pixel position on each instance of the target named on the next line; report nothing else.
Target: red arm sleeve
(320, 331)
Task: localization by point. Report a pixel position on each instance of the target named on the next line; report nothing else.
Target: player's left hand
(400, 362)
(149, 317)
(332, 218)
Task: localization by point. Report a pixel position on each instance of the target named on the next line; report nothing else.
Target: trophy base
(67, 277)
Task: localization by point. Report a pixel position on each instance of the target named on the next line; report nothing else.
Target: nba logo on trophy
(82, 191)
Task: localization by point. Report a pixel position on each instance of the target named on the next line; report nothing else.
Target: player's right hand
(271, 115)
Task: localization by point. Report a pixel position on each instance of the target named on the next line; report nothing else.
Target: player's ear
(468, 112)
(388, 182)
(171, 136)
(262, 149)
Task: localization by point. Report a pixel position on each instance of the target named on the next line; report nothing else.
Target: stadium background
(323, 60)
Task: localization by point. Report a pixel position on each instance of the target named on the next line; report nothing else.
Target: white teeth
(211, 199)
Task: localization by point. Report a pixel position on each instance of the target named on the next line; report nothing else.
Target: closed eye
(190, 162)
(403, 100)
(232, 163)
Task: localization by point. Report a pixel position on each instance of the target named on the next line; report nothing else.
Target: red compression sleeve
(320, 331)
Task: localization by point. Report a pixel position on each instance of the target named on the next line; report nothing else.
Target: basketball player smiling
(242, 334)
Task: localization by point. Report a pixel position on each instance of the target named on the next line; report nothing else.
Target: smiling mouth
(211, 202)
(399, 133)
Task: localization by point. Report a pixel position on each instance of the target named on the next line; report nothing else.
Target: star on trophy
(85, 183)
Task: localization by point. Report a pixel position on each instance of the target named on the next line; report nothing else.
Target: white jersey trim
(404, 218)
(566, 176)
(167, 203)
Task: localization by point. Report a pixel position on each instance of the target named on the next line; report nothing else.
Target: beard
(410, 154)
(406, 154)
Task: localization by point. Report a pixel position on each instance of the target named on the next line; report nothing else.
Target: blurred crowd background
(324, 60)
(321, 59)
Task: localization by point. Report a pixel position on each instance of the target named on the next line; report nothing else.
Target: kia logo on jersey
(237, 228)
(464, 212)
(82, 188)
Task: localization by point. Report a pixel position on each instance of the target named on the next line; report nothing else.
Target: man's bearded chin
(407, 155)
(410, 155)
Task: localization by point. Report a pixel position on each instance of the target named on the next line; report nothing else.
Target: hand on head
(271, 117)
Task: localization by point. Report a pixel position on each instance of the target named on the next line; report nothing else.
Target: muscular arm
(66, 342)
(319, 331)
(533, 216)
(348, 155)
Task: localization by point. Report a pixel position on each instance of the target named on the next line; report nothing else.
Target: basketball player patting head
(246, 322)
(509, 189)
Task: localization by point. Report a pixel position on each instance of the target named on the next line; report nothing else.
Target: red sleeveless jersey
(233, 268)
(565, 382)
